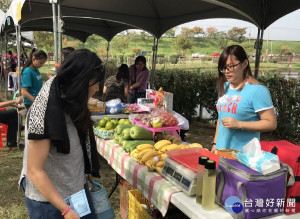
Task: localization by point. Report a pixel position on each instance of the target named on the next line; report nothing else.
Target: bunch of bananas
(153, 156)
(173, 139)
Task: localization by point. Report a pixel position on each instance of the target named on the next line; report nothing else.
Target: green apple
(107, 118)
(127, 122)
(102, 122)
(110, 125)
(121, 121)
(115, 122)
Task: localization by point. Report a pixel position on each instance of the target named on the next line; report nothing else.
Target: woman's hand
(19, 100)
(232, 123)
(71, 215)
(213, 149)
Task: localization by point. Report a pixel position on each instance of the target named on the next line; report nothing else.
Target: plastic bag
(114, 106)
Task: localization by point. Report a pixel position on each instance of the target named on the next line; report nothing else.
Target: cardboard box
(167, 101)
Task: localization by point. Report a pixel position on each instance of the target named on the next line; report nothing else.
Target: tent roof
(157, 16)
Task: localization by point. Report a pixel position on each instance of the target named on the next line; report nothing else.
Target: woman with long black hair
(32, 81)
(60, 147)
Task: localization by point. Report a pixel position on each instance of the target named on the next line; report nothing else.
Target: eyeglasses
(229, 68)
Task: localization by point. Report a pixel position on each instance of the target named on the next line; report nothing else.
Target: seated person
(183, 123)
(10, 118)
(116, 86)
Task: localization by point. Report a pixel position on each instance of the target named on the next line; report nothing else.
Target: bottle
(209, 185)
(200, 171)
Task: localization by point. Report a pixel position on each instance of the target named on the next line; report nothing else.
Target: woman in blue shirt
(31, 78)
(244, 106)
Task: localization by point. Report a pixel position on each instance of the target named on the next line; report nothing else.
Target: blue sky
(285, 28)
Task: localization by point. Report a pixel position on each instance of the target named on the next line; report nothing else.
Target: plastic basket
(136, 210)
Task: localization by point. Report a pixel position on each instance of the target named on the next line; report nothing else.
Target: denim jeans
(45, 210)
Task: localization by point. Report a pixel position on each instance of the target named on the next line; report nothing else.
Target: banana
(163, 156)
(160, 163)
(193, 145)
(141, 154)
(158, 145)
(142, 147)
(133, 152)
(148, 155)
(170, 148)
(159, 170)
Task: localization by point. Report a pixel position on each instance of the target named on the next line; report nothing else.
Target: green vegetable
(131, 145)
(121, 127)
(126, 134)
(140, 133)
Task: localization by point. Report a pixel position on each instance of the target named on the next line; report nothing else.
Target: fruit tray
(105, 134)
(189, 157)
(153, 130)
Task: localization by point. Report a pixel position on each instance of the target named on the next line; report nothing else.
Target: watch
(213, 143)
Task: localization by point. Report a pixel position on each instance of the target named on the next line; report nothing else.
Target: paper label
(79, 203)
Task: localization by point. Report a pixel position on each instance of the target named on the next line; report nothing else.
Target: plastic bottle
(200, 171)
(209, 185)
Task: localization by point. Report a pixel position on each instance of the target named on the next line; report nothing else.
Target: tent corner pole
(55, 34)
(258, 47)
(154, 56)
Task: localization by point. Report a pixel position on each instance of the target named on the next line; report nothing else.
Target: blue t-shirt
(241, 105)
(32, 79)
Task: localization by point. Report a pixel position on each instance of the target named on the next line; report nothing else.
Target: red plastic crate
(3, 130)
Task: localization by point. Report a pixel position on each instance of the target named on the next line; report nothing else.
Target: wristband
(66, 211)
(213, 143)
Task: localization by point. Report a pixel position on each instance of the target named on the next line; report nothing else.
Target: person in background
(183, 123)
(64, 53)
(244, 106)
(61, 149)
(32, 81)
(138, 79)
(10, 118)
(13, 63)
(116, 86)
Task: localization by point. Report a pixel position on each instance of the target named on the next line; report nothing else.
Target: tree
(119, 44)
(170, 33)
(4, 5)
(44, 40)
(284, 49)
(183, 43)
(211, 32)
(187, 32)
(237, 34)
(198, 31)
(222, 40)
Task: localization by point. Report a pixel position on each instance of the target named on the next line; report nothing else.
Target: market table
(157, 189)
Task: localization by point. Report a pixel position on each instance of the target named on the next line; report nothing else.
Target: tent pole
(18, 38)
(258, 47)
(55, 34)
(5, 71)
(106, 62)
(59, 30)
(154, 56)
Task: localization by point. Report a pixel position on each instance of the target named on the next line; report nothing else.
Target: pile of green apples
(106, 123)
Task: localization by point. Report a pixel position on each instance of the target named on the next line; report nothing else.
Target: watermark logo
(233, 205)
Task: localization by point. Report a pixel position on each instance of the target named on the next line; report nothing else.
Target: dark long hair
(140, 59)
(241, 55)
(123, 73)
(38, 54)
(74, 77)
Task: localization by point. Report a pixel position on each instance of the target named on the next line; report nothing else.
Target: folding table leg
(117, 182)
